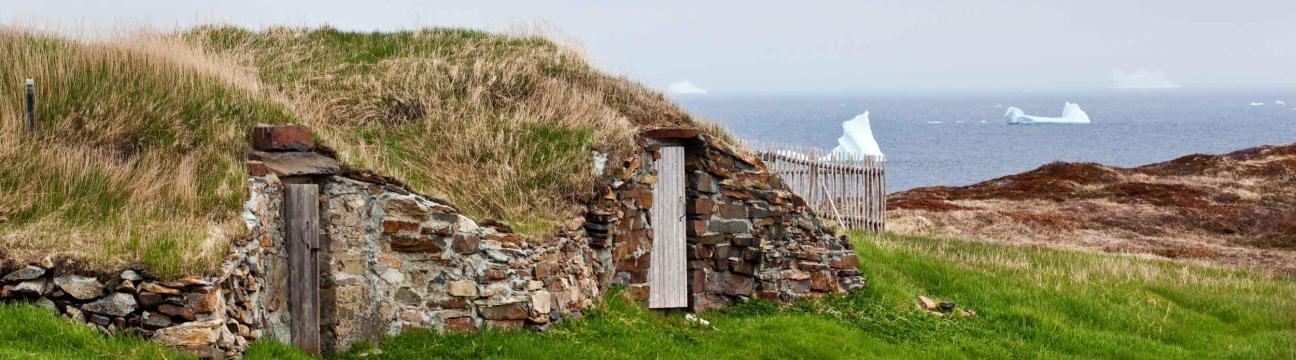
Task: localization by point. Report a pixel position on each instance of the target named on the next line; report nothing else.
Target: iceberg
(1279, 102)
(857, 138)
(1071, 114)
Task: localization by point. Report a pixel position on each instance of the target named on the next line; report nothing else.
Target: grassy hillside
(1031, 303)
(137, 153)
(137, 157)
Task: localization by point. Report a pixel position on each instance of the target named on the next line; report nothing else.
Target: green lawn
(1031, 303)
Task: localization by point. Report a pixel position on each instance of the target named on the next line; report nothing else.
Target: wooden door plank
(668, 269)
(301, 213)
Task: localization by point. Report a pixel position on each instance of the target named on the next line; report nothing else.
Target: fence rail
(847, 188)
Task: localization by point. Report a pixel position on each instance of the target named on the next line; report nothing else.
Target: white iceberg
(857, 138)
(1279, 102)
(1071, 114)
(1257, 104)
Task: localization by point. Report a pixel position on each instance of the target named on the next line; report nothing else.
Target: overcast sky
(814, 46)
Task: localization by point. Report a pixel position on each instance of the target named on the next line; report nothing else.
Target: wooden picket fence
(847, 188)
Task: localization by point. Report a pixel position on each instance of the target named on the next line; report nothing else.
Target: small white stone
(465, 224)
(541, 302)
(393, 276)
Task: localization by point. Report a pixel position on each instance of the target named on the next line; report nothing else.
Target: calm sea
(958, 139)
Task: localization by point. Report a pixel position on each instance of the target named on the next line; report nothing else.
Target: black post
(31, 101)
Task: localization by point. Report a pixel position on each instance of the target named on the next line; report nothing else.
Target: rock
(729, 226)
(465, 324)
(296, 163)
(126, 286)
(704, 183)
(80, 287)
(100, 319)
(406, 296)
(148, 299)
(465, 244)
(152, 320)
(24, 274)
(190, 334)
(405, 206)
(158, 288)
(177, 311)
(116, 304)
(849, 261)
(733, 211)
(416, 244)
(393, 276)
(464, 224)
(945, 306)
(48, 304)
(282, 138)
(822, 281)
(209, 302)
(926, 303)
(700, 206)
(541, 301)
(463, 288)
(398, 226)
(30, 287)
(74, 313)
(514, 311)
(189, 281)
(545, 269)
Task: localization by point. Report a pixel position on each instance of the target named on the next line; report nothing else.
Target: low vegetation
(1237, 208)
(137, 157)
(1030, 302)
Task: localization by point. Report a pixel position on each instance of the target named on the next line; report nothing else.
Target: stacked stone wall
(394, 260)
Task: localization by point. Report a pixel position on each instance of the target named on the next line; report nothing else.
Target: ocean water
(959, 139)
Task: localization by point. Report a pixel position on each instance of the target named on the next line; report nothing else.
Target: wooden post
(301, 213)
(31, 103)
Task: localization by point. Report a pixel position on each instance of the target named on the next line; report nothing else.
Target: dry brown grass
(501, 125)
(136, 162)
(135, 156)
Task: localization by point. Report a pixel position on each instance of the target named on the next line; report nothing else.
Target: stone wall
(190, 313)
(392, 259)
(748, 234)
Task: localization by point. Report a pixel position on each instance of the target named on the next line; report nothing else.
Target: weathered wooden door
(668, 271)
(301, 212)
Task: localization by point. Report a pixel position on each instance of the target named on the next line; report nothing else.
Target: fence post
(31, 102)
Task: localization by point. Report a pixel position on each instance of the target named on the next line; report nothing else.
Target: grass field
(1031, 303)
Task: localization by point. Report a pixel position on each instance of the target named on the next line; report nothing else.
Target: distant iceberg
(1257, 104)
(1142, 79)
(1071, 114)
(857, 137)
(1279, 102)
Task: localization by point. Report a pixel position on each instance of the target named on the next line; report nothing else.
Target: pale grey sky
(812, 46)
